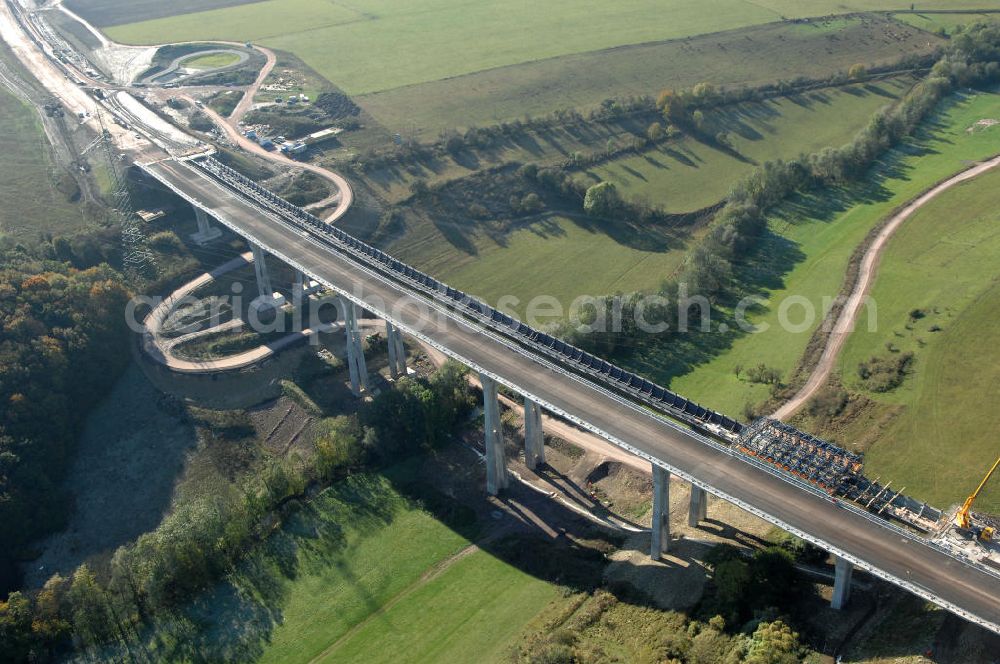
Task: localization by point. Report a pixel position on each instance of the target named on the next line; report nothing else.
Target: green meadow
(355, 574)
(808, 251)
(36, 192)
(688, 174)
(938, 296)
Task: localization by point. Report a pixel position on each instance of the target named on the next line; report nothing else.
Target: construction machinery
(963, 518)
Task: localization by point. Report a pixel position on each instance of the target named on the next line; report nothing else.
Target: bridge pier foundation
(496, 462)
(534, 439)
(206, 232)
(397, 352)
(698, 508)
(660, 541)
(843, 571)
(355, 351)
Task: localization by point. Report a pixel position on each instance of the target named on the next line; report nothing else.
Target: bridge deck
(919, 568)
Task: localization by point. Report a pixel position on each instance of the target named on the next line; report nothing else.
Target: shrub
(884, 374)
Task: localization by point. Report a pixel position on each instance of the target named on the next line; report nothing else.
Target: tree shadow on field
(236, 619)
(765, 269)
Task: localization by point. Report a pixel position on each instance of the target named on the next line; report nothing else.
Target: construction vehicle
(963, 518)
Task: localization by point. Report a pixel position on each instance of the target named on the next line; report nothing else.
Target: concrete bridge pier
(355, 350)
(268, 299)
(397, 352)
(534, 439)
(843, 571)
(661, 513)
(299, 289)
(206, 232)
(496, 463)
(698, 508)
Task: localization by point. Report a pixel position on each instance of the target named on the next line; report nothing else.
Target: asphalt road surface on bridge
(956, 585)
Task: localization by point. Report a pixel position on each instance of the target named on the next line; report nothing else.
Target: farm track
(862, 287)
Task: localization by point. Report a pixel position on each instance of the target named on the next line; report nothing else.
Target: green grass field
(800, 8)
(822, 238)
(211, 61)
(558, 256)
(752, 56)
(29, 180)
(378, 44)
(359, 568)
(946, 22)
(688, 175)
(469, 613)
(943, 261)
(548, 257)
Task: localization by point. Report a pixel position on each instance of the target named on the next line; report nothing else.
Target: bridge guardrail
(654, 395)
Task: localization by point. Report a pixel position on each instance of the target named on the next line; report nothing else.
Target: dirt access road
(231, 126)
(866, 277)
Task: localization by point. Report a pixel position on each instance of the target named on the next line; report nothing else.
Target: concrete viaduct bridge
(675, 435)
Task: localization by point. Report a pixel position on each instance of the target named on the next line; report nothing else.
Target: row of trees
(973, 57)
(204, 538)
(679, 106)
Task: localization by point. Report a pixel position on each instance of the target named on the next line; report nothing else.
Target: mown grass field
(752, 56)
(557, 256)
(373, 45)
(211, 61)
(32, 201)
(689, 175)
(359, 571)
(812, 243)
(469, 613)
(943, 261)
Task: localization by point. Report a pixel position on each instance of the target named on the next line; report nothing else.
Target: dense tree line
(204, 538)
(62, 345)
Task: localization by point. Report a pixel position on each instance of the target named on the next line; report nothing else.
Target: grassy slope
(31, 202)
(935, 22)
(800, 8)
(825, 245)
(479, 604)
(692, 175)
(381, 44)
(943, 261)
(751, 56)
(560, 258)
(557, 257)
(336, 566)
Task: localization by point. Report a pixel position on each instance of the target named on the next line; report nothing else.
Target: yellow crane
(963, 518)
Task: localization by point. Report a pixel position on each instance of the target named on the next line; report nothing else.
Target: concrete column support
(534, 439)
(397, 352)
(661, 513)
(355, 350)
(260, 268)
(698, 509)
(206, 233)
(299, 289)
(843, 571)
(496, 463)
